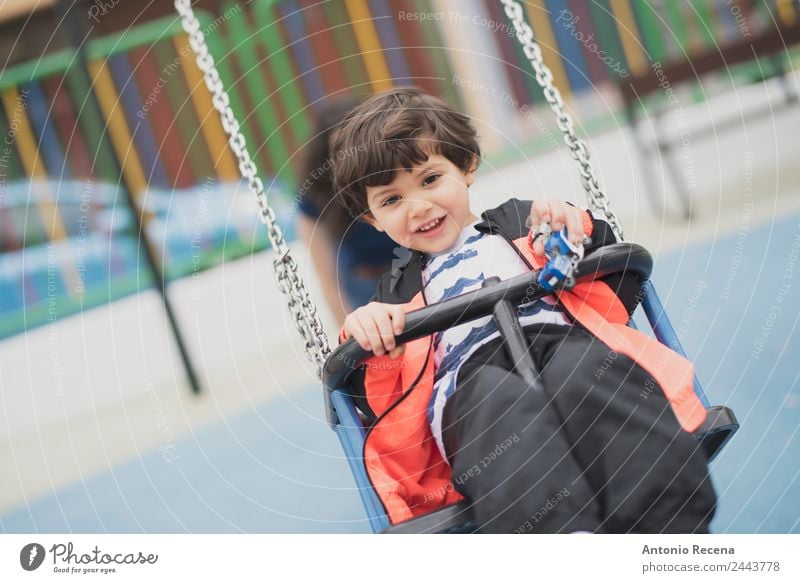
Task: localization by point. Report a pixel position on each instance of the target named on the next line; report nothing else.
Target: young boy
(606, 447)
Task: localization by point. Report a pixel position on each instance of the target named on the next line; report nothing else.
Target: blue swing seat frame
(344, 417)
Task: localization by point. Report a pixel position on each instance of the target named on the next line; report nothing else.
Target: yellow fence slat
(210, 124)
(369, 45)
(787, 12)
(31, 162)
(629, 36)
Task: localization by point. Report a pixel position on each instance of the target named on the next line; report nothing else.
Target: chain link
(290, 283)
(597, 198)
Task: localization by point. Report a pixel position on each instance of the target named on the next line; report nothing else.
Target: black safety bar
(606, 260)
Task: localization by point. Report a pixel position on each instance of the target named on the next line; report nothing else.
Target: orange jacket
(400, 454)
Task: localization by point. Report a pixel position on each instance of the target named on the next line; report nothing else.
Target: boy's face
(424, 209)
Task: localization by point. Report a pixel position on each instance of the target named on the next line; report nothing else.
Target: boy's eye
(430, 179)
(390, 200)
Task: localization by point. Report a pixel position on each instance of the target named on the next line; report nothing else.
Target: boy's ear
(470, 174)
(367, 217)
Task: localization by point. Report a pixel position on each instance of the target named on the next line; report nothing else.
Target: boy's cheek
(370, 219)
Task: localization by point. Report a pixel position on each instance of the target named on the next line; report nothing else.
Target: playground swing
(496, 298)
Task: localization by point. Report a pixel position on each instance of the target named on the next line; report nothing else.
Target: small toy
(563, 258)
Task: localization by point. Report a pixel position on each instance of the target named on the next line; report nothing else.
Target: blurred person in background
(348, 254)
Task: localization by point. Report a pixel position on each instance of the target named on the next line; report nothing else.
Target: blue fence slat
(46, 137)
(303, 53)
(132, 103)
(571, 54)
(390, 41)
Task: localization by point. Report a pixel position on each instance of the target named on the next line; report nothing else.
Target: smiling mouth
(430, 225)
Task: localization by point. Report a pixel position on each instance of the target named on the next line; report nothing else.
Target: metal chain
(597, 198)
(290, 283)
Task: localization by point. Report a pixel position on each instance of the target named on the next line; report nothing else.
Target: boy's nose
(419, 207)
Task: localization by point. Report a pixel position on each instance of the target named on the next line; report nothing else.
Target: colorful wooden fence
(131, 115)
(132, 118)
(56, 200)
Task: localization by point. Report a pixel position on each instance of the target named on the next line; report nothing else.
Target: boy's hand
(374, 327)
(559, 215)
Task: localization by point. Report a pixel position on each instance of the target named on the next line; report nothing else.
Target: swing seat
(343, 416)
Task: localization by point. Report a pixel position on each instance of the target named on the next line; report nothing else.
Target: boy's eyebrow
(422, 169)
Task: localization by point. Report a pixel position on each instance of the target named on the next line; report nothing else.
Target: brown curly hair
(396, 129)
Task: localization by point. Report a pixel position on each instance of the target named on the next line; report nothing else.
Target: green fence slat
(279, 61)
(104, 163)
(652, 35)
(706, 24)
(607, 32)
(137, 36)
(243, 45)
(678, 28)
(36, 69)
(767, 11)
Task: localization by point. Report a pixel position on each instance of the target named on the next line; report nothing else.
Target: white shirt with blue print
(472, 259)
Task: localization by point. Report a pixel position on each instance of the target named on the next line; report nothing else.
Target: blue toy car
(563, 256)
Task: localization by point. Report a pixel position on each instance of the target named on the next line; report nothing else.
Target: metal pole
(76, 36)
